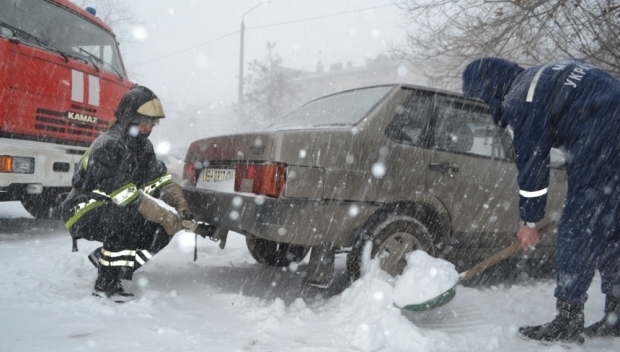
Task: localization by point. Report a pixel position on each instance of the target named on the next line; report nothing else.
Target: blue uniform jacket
(566, 104)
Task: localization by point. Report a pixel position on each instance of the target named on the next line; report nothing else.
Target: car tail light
(190, 174)
(266, 179)
(16, 165)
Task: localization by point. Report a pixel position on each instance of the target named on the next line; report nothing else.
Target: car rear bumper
(302, 222)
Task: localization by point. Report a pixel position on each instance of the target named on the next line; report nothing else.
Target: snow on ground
(225, 301)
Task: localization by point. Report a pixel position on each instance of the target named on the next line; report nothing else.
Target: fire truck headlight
(16, 165)
(23, 165)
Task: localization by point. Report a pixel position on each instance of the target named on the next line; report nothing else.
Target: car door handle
(443, 167)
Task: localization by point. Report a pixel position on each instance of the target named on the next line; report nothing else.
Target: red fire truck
(61, 77)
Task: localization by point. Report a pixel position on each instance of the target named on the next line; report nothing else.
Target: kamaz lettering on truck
(61, 77)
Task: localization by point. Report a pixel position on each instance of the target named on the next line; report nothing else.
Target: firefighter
(573, 105)
(111, 197)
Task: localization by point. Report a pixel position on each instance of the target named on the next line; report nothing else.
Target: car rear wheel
(274, 253)
(392, 239)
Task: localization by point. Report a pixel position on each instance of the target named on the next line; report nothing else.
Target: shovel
(473, 271)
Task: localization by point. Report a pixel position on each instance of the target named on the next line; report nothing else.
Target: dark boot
(108, 285)
(610, 324)
(566, 327)
(121, 295)
(93, 257)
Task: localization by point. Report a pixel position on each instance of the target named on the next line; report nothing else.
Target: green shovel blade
(438, 301)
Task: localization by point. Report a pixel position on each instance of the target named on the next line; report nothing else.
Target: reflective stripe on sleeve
(157, 183)
(84, 159)
(122, 196)
(534, 194)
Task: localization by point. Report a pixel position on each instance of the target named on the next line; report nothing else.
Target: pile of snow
(365, 315)
(424, 278)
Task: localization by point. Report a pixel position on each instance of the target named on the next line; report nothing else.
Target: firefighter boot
(610, 324)
(108, 285)
(567, 327)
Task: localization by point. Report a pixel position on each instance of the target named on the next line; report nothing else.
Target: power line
(319, 17)
(259, 27)
(187, 49)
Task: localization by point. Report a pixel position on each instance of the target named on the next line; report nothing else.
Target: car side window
(467, 128)
(411, 119)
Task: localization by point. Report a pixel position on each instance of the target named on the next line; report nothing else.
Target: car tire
(274, 253)
(391, 240)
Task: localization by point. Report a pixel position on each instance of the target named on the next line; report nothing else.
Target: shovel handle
(504, 253)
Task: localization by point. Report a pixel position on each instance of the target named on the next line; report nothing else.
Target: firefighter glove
(170, 221)
(172, 194)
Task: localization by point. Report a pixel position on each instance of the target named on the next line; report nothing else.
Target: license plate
(218, 175)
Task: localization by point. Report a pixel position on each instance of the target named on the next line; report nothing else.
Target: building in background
(344, 76)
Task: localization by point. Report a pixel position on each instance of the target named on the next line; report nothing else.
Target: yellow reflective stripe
(122, 196)
(125, 195)
(116, 262)
(157, 183)
(84, 159)
(126, 252)
(81, 210)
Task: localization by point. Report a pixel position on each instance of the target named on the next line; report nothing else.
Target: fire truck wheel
(38, 206)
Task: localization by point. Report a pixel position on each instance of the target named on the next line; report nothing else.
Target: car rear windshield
(342, 109)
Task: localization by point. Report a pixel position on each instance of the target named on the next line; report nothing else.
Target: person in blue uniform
(573, 105)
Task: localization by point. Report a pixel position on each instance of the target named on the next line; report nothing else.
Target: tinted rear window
(342, 109)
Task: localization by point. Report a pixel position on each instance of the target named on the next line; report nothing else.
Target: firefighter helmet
(139, 105)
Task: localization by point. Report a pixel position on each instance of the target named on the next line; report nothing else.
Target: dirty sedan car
(402, 166)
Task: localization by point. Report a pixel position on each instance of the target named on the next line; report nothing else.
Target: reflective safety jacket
(114, 169)
(566, 104)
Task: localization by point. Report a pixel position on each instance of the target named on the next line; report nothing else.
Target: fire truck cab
(61, 77)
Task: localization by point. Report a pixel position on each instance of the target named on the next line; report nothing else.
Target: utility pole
(241, 63)
(240, 95)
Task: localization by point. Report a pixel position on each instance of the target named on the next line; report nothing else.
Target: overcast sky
(188, 50)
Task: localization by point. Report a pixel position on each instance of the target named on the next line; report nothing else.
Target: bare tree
(270, 93)
(445, 35)
(116, 14)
